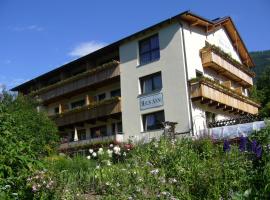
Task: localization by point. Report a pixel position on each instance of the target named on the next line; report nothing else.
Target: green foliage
(261, 60)
(261, 92)
(26, 136)
(180, 169)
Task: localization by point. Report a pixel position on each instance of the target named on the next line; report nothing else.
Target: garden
(31, 168)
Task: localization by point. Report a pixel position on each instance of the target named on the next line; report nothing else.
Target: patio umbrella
(75, 135)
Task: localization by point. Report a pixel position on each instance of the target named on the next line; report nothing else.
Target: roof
(191, 18)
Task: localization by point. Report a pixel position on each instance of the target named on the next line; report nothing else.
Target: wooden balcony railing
(215, 94)
(223, 65)
(87, 113)
(79, 82)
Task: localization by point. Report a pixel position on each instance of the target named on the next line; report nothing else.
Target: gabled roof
(191, 18)
(229, 26)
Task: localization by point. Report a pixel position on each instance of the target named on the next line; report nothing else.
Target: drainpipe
(188, 85)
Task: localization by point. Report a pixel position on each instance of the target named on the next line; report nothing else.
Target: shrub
(26, 136)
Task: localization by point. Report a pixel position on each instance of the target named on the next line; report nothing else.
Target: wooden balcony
(95, 111)
(240, 74)
(214, 94)
(80, 83)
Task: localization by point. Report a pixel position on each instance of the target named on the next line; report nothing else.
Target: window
(77, 104)
(81, 134)
(149, 50)
(56, 110)
(153, 121)
(198, 74)
(100, 97)
(117, 128)
(98, 131)
(151, 83)
(116, 93)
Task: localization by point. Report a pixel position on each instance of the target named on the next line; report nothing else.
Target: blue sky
(40, 35)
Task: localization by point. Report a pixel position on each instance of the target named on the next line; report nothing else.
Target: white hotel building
(186, 69)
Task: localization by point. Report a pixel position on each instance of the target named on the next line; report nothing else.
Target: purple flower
(254, 146)
(226, 146)
(243, 143)
(259, 151)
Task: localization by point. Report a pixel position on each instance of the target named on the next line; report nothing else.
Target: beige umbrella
(75, 135)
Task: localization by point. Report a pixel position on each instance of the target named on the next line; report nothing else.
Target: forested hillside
(261, 91)
(262, 60)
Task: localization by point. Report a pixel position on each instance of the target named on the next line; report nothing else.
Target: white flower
(140, 179)
(154, 172)
(111, 145)
(97, 167)
(164, 193)
(107, 183)
(162, 180)
(88, 157)
(109, 163)
(91, 150)
(109, 152)
(100, 151)
(117, 184)
(124, 154)
(172, 180)
(117, 150)
(94, 154)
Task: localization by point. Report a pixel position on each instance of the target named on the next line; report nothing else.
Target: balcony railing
(215, 94)
(226, 66)
(83, 143)
(79, 82)
(96, 110)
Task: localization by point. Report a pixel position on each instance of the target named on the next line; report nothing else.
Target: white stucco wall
(195, 38)
(171, 65)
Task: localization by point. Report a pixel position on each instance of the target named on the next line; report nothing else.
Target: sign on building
(151, 101)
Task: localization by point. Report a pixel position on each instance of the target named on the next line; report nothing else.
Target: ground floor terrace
(80, 136)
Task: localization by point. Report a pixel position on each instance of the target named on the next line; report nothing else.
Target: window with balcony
(151, 83)
(199, 74)
(77, 104)
(149, 49)
(116, 93)
(98, 131)
(117, 128)
(81, 134)
(56, 110)
(153, 121)
(100, 97)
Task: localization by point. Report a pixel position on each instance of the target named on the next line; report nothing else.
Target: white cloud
(26, 28)
(85, 48)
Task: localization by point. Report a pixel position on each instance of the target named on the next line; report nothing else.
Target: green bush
(26, 136)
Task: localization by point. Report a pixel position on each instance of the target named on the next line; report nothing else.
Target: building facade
(186, 69)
